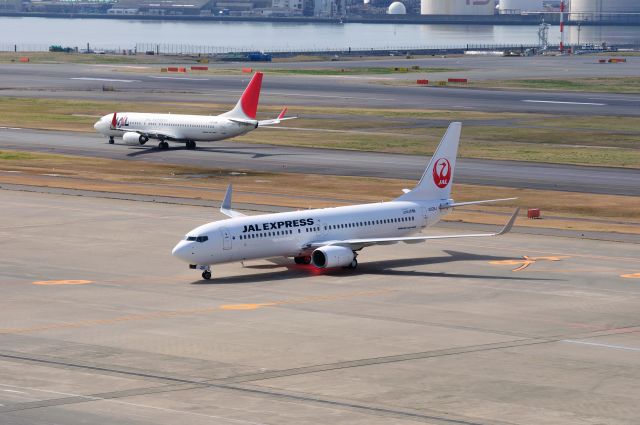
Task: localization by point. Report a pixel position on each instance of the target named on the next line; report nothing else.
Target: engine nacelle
(132, 138)
(332, 256)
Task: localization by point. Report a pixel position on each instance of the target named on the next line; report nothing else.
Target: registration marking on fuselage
(564, 103)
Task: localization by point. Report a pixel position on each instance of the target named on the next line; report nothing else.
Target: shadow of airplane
(140, 151)
(384, 267)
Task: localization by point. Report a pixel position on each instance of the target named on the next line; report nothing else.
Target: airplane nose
(96, 126)
(182, 251)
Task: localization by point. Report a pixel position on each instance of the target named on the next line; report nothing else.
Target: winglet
(507, 228)
(284, 111)
(114, 120)
(225, 208)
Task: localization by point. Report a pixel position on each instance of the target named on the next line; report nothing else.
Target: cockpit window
(197, 238)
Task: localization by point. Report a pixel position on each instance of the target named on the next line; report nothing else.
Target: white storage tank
(519, 6)
(396, 8)
(457, 7)
(593, 10)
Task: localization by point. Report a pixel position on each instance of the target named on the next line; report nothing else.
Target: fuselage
(287, 234)
(176, 126)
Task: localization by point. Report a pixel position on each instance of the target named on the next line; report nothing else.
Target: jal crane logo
(442, 173)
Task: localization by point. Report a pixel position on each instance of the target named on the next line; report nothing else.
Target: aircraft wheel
(111, 141)
(191, 144)
(163, 145)
(206, 275)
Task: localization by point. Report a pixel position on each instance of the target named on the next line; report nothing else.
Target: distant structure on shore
(517, 7)
(396, 8)
(488, 12)
(457, 7)
(601, 10)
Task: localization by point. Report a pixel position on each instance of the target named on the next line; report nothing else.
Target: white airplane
(137, 128)
(332, 237)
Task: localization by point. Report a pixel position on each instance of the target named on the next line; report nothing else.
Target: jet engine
(132, 138)
(332, 256)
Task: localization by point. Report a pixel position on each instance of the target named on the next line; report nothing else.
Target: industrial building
(599, 10)
(516, 7)
(457, 7)
(10, 5)
(396, 8)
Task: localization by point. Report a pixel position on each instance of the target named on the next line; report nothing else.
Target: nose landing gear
(206, 275)
(111, 141)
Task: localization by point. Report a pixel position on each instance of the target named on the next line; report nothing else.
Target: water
(39, 33)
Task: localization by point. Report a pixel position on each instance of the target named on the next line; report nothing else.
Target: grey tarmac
(87, 82)
(235, 155)
(100, 325)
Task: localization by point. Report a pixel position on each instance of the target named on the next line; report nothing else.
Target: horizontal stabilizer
(225, 208)
(253, 123)
(277, 120)
(462, 204)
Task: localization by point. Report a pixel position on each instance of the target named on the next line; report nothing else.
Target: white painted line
(564, 103)
(163, 409)
(113, 80)
(10, 128)
(121, 66)
(270, 93)
(179, 78)
(14, 391)
(595, 344)
(329, 97)
(612, 98)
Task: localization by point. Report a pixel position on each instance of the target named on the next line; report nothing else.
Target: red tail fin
(114, 121)
(251, 96)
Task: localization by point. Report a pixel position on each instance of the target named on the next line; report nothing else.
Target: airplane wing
(276, 121)
(356, 244)
(225, 208)
(152, 134)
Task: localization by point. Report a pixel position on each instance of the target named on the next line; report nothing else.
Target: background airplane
(332, 237)
(137, 128)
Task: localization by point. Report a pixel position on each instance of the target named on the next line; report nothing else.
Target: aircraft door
(226, 239)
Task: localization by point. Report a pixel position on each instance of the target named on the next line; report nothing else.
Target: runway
(87, 81)
(235, 155)
(100, 325)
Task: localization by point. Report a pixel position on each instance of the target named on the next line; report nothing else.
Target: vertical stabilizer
(437, 179)
(247, 106)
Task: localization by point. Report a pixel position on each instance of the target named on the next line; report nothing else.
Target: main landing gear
(111, 141)
(302, 260)
(163, 145)
(191, 144)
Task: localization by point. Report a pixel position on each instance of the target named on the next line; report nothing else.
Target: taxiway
(100, 325)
